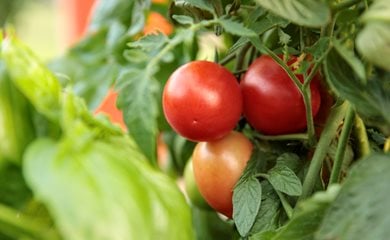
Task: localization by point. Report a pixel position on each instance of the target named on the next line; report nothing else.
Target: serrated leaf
(284, 38)
(284, 179)
(183, 19)
(150, 42)
(373, 42)
(246, 204)
(138, 100)
(202, 4)
(236, 28)
(290, 160)
(361, 209)
(308, 13)
(319, 48)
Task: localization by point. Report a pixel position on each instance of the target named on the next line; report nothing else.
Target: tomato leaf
(202, 4)
(307, 217)
(235, 28)
(290, 160)
(350, 57)
(360, 209)
(138, 99)
(246, 202)
(284, 179)
(308, 13)
(371, 99)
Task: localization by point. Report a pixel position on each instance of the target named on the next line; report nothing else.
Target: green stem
(18, 225)
(342, 144)
(286, 205)
(241, 57)
(297, 136)
(330, 130)
(361, 136)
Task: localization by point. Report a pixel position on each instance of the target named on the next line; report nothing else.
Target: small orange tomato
(108, 107)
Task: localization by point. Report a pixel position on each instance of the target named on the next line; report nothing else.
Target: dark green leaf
(246, 204)
(235, 28)
(284, 179)
(138, 100)
(350, 57)
(308, 13)
(319, 48)
(360, 211)
(371, 99)
(290, 160)
(308, 217)
(202, 4)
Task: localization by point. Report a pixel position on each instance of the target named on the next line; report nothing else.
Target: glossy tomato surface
(202, 101)
(272, 103)
(217, 167)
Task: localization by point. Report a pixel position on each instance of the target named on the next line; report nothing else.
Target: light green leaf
(373, 42)
(235, 28)
(31, 77)
(284, 179)
(361, 210)
(310, 13)
(202, 4)
(378, 11)
(104, 189)
(246, 202)
(183, 19)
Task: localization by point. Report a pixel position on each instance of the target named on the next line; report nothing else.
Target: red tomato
(272, 103)
(202, 101)
(217, 167)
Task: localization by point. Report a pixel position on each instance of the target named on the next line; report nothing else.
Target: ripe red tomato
(202, 101)
(272, 103)
(217, 167)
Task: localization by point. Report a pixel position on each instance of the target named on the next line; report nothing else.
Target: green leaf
(310, 13)
(202, 4)
(138, 100)
(104, 189)
(290, 160)
(150, 42)
(284, 38)
(371, 99)
(246, 202)
(361, 210)
(31, 77)
(235, 28)
(350, 57)
(379, 10)
(373, 42)
(284, 179)
(183, 19)
(308, 217)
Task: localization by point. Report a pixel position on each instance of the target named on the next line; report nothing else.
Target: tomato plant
(272, 103)
(217, 167)
(283, 106)
(202, 101)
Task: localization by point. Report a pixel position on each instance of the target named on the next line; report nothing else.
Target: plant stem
(361, 136)
(286, 205)
(297, 136)
(334, 120)
(342, 144)
(18, 225)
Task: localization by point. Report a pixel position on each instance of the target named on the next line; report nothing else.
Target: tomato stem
(18, 225)
(344, 5)
(296, 136)
(286, 205)
(330, 130)
(342, 144)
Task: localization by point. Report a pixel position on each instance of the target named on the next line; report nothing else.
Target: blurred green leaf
(107, 189)
(202, 4)
(360, 210)
(310, 13)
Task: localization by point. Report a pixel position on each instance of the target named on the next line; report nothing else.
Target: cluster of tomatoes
(203, 101)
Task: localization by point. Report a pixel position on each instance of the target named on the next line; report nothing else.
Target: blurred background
(47, 26)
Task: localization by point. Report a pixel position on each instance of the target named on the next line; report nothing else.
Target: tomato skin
(273, 104)
(202, 101)
(217, 167)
